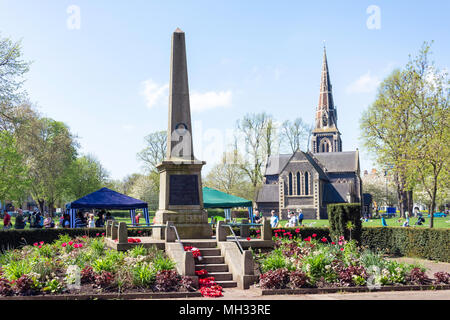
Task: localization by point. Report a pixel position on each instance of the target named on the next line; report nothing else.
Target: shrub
(143, 275)
(160, 263)
(103, 280)
(167, 280)
(139, 250)
(5, 287)
(431, 244)
(274, 279)
(16, 269)
(87, 275)
(275, 260)
(418, 277)
(26, 285)
(442, 278)
(341, 217)
(297, 279)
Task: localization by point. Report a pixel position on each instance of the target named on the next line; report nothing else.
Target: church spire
(326, 113)
(326, 136)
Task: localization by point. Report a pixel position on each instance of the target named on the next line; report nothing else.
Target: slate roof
(276, 163)
(268, 193)
(346, 161)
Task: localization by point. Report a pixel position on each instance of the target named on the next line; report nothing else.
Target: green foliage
(136, 251)
(161, 262)
(15, 269)
(340, 215)
(426, 243)
(275, 260)
(144, 275)
(97, 246)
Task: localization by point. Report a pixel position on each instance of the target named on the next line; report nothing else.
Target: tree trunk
(41, 204)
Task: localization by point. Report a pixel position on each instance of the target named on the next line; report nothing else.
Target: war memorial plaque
(183, 190)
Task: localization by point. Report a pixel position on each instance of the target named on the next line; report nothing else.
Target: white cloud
(158, 94)
(210, 100)
(154, 93)
(366, 83)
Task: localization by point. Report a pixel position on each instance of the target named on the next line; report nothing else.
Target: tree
(429, 100)
(227, 176)
(13, 175)
(145, 188)
(12, 69)
(258, 134)
(155, 150)
(387, 132)
(84, 175)
(295, 133)
(49, 149)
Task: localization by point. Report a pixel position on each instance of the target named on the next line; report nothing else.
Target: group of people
(35, 220)
(295, 218)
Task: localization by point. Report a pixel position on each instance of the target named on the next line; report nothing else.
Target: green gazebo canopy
(213, 198)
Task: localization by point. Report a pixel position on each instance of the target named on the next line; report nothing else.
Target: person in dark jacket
(79, 221)
(20, 220)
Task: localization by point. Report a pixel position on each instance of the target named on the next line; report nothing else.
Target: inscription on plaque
(183, 190)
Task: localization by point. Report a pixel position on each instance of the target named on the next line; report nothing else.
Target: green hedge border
(431, 244)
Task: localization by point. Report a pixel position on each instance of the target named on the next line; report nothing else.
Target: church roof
(276, 163)
(346, 161)
(268, 193)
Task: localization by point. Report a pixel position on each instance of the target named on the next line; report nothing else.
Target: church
(312, 180)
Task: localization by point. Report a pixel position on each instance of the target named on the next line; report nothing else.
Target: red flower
(80, 245)
(64, 245)
(40, 247)
(75, 245)
(324, 239)
(139, 232)
(97, 234)
(103, 234)
(35, 244)
(307, 239)
(314, 235)
(342, 249)
(258, 231)
(297, 230)
(333, 242)
(248, 239)
(70, 243)
(41, 243)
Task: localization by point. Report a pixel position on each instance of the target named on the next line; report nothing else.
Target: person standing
(256, 217)
(6, 220)
(100, 223)
(20, 220)
(273, 219)
(48, 222)
(91, 222)
(300, 217)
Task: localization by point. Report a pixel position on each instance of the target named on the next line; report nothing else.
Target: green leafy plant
(144, 275)
(139, 250)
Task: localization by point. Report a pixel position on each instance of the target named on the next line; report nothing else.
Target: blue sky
(108, 79)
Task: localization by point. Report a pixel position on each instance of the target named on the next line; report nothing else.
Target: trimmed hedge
(339, 215)
(432, 244)
(11, 239)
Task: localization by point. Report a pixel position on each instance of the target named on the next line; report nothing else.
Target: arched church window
(298, 184)
(290, 183)
(307, 183)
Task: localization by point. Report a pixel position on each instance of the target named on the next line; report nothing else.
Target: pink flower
(324, 239)
(97, 234)
(70, 243)
(40, 246)
(75, 245)
(340, 243)
(297, 230)
(314, 235)
(64, 245)
(80, 245)
(139, 232)
(103, 234)
(35, 244)
(258, 231)
(41, 243)
(342, 249)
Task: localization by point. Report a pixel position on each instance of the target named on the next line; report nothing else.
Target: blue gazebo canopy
(107, 199)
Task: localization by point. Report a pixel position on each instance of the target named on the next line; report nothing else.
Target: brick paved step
(212, 267)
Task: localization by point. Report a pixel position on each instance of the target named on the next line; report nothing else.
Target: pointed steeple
(326, 136)
(326, 113)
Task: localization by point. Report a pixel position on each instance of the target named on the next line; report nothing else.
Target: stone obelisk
(180, 194)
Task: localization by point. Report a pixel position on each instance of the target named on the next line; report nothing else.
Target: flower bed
(84, 266)
(319, 262)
